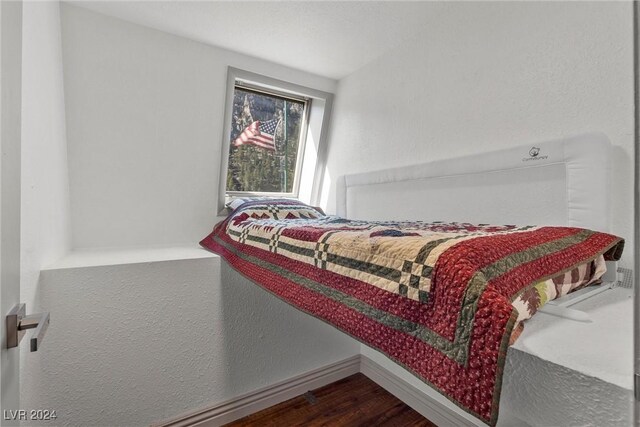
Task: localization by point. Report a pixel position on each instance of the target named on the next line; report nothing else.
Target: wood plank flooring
(352, 401)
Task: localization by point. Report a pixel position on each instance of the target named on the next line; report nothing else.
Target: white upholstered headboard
(560, 182)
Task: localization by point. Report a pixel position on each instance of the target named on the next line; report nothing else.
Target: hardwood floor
(352, 401)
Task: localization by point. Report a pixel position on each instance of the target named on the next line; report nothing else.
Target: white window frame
(316, 118)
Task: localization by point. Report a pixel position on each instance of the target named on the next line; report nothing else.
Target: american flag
(259, 134)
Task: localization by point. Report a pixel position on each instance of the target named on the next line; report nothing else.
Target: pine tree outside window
(267, 141)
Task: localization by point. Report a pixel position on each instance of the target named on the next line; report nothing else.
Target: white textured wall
(484, 76)
(144, 122)
(45, 223)
(558, 396)
(45, 228)
(137, 343)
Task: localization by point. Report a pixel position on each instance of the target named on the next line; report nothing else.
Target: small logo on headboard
(534, 154)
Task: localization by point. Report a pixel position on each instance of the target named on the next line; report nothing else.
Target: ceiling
(329, 38)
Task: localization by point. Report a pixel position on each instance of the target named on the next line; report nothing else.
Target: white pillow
(236, 202)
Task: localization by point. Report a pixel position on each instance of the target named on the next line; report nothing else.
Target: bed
(446, 314)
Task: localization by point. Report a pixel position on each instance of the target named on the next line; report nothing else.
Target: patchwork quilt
(440, 299)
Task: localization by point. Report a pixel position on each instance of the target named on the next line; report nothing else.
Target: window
(268, 132)
(274, 138)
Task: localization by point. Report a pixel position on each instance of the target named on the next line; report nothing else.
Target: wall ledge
(124, 256)
(570, 344)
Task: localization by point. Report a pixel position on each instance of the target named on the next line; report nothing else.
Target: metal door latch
(18, 322)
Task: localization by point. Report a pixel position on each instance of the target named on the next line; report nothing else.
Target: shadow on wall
(266, 340)
(326, 192)
(621, 167)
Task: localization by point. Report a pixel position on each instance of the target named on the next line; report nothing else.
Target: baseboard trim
(247, 404)
(430, 408)
(258, 400)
